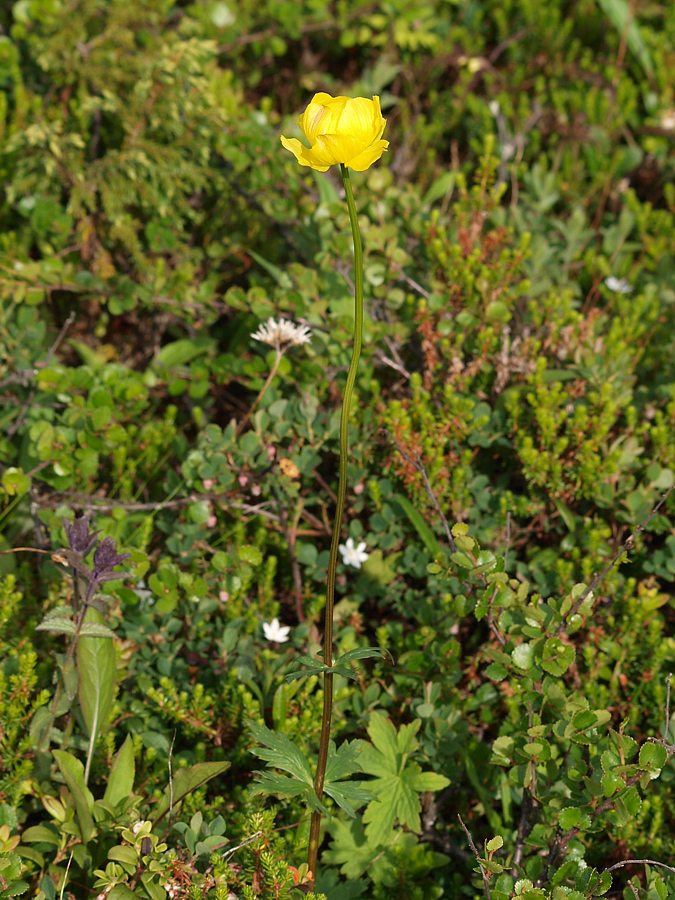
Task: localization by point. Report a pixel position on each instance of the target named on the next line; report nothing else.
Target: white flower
(351, 555)
(618, 285)
(283, 332)
(276, 632)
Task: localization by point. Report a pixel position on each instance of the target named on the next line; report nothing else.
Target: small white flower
(276, 632)
(618, 285)
(282, 333)
(351, 555)
(138, 825)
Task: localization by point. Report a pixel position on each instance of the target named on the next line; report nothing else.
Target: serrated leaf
(363, 653)
(285, 786)
(185, 782)
(95, 629)
(348, 795)
(56, 625)
(279, 751)
(344, 761)
(652, 757)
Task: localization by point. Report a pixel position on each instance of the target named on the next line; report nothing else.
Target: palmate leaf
(397, 781)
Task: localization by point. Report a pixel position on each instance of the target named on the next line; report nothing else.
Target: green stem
(315, 825)
(263, 391)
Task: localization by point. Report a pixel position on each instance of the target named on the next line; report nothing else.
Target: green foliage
(503, 653)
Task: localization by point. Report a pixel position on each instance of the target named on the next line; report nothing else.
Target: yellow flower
(340, 130)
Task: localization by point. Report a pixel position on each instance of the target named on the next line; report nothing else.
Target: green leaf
(40, 834)
(73, 774)
(278, 750)
(621, 16)
(56, 625)
(495, 843)
(556, 657)
(428, 781)
(523, 655)
(96, 669)
(343, 762)
(282, 278)
(15, 481)
(180, 352)
(652, 757)
(419, 524)
(185, 782)
(122, 773)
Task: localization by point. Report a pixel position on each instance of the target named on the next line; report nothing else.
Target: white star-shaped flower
(353, 555)
(276, 632)
(618, 285)
(282, 333)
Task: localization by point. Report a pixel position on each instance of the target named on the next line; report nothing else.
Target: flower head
(618, 285)
(283, 333)
(340, 130)
(353, 555)
(276, 632)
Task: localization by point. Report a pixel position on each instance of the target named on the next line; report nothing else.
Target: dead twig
(419, 465)
(626, 546)
(476, 854)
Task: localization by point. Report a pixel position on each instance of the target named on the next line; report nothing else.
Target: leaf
(419, 523)
(327, 192)
(180, 352)
(364, 653)
(652, 757)
(57, 626)
(285, 786)
(186, 781)
(281, 277)
(345, 761)
(96, 682)
(95, 629)
(397, 781)
(621, 16)
(121, 778)
(73, 774)
(279, 751)
(522, 656)
(40, 834)
(348, 795)
(428, 781)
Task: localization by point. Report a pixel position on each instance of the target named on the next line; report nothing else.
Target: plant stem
(315, 824)
(263, 391)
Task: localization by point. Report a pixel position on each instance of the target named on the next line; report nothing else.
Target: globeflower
(340, 130)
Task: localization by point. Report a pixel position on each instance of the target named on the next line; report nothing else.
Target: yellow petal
(339, 147)
(367, 157)
(302, 154)
(362, 118)
(321, 115)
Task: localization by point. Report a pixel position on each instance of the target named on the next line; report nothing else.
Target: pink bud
(212, 521)
(208, 483)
